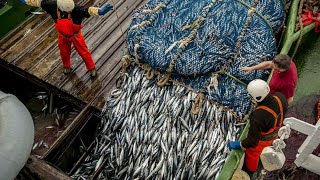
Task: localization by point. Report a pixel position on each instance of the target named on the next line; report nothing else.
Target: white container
(271, 159)
(16, 136)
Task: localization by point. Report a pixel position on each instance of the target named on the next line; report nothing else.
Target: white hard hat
(65, 5)
(258, 89)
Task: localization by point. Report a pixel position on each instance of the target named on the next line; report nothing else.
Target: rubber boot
(250, 173)
(67, 70)
(93, 73)
(253, 175)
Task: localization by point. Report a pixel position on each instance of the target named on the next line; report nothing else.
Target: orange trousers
(251, 159)
(69, 33)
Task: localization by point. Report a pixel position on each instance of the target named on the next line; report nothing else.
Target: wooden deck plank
(17, 35)
(103, 52)
(108, 64)
(31, 38)
(34, 56)
(105, 37)
(103, 89)
(76, 85)
(47, 53)
(97, 40)
(44, 170)
(106, 71)
(100, 98)
(53, 61)
(31, 25)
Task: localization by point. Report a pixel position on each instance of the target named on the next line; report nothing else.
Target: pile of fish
(149, 132)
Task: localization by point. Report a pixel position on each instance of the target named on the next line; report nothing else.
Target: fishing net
(200, 42)
(150, 130)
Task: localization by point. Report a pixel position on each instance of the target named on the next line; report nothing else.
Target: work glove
(234, 145)
(105, 9)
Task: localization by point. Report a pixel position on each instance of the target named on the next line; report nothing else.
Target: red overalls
(70, 33)
(252, 154)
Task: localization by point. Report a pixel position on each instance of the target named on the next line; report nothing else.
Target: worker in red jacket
(265, 122)
(285, 76)
(68, 18)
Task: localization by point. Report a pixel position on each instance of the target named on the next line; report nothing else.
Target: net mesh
(193, 41)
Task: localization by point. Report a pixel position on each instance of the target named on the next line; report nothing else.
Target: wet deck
(33, 48)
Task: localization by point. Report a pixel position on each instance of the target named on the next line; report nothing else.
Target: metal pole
(51, 103)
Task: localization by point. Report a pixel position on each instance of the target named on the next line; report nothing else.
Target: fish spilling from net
(149, 132)
(182, 93)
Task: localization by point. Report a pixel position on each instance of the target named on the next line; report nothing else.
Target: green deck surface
(233, 159)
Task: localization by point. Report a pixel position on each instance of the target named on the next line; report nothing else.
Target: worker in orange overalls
(68, 18)
(265, 122)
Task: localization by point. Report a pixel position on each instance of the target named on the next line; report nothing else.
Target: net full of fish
(148, 129)
(149, 132)
(195, 42)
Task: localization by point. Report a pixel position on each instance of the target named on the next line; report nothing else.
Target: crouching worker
(265, 122)
(68, 18)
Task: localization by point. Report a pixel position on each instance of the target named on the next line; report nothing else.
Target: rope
(145, 67)
(236, 79)
(150, 74)
(136, 47)
(125, 62)
(163, 81)
(197, 104)
(256, 12)
(184, 42)
(196, 23)
(281, 36)
(141, 25)
(246, 26)
(122, 32)
(148, 22)
(301, 30)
